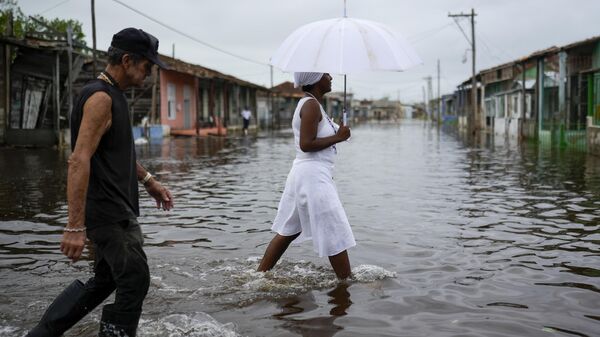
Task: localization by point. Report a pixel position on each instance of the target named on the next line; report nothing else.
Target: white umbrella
(342, 46)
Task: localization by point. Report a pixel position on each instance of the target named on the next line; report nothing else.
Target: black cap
(137, 41)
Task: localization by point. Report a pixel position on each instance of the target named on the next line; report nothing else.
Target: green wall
(596, 56)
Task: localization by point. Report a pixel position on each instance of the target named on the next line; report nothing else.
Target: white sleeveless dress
(310, 202)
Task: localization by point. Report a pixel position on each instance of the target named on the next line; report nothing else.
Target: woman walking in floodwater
(310, 207)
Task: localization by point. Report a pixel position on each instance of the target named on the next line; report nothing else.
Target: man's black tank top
(112, 194)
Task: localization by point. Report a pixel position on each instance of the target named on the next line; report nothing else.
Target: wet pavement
(454, 239)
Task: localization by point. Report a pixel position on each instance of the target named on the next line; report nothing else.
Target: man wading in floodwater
(102, 193)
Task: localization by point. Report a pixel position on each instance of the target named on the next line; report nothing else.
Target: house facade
(508, 96)
(196, 100)
(593, 102)
(39, 80)
(552, 96)
(285, 100)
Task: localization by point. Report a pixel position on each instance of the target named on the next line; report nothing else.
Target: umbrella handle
(345, 118)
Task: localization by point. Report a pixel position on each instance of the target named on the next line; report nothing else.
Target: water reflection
(33, 182)
(489, 239)
(320, 326)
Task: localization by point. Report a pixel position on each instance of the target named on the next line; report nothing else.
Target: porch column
(523, 114)
(198, 104)
(4, 92)
(523, 91)
(57, 99)
(562, 90)
(540, 92)
(5, 95)
(481, 108)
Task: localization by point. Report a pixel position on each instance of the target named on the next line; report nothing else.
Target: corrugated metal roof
(287, 89)
(174, 64)
(200, 71)
(536, 54)
(543, 52)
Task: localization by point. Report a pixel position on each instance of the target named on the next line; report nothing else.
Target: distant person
(310, 207)
(102, 194)
(246, 115)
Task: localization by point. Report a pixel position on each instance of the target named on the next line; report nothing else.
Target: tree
(37, 25)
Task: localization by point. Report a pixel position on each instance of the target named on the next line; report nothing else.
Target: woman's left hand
(343, 132)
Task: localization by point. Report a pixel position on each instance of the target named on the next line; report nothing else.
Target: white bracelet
(74, 230)
(146, 178)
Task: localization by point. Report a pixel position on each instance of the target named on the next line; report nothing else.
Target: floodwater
(453, 240)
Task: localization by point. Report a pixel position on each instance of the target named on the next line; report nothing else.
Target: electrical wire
(51, 8)
(427, 34)
(487, 48)
(189, 36)
(483, 38)
(462, 30)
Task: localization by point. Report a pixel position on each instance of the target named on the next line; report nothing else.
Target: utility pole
(474, 123)
(271, 101)
(439, 97)
(94, 37)
(429, 97)
(424, 101)
(399, 106)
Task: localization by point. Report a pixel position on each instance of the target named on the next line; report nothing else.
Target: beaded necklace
(327, 118)
(108, 79)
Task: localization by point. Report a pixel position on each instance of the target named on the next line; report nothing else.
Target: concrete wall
(528, 129)
(500, 126)
(593, 138)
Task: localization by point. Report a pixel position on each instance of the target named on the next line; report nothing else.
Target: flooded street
(452, 240)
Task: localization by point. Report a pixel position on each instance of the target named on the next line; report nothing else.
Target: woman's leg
(341, 265)
(274, 251)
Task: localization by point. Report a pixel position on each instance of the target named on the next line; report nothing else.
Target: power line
(483, 39)
(487, 47)
(51, 8)
(428, 33)
(189, 36)
(461, 29)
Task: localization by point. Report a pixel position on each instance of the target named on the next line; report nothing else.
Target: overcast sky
(505, 29)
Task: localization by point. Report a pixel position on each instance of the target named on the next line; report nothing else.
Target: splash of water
(8, 330)
(236, 282)
(197, 324)
(366, 273)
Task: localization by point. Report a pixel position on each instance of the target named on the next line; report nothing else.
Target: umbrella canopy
(344, 46)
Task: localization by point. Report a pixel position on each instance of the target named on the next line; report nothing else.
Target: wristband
(74, 230)
(146, 178)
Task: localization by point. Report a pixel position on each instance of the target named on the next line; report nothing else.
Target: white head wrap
(302, 79)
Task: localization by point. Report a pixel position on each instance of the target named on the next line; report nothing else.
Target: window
(171, 112)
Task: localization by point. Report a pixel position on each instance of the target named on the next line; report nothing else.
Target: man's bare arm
(95, 121)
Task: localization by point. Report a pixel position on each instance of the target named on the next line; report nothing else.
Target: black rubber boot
(118, 324)
(63, 313)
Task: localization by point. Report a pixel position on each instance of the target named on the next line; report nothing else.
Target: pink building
(195, 100)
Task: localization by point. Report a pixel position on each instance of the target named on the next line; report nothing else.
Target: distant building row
(40, 79)
(552, 96)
